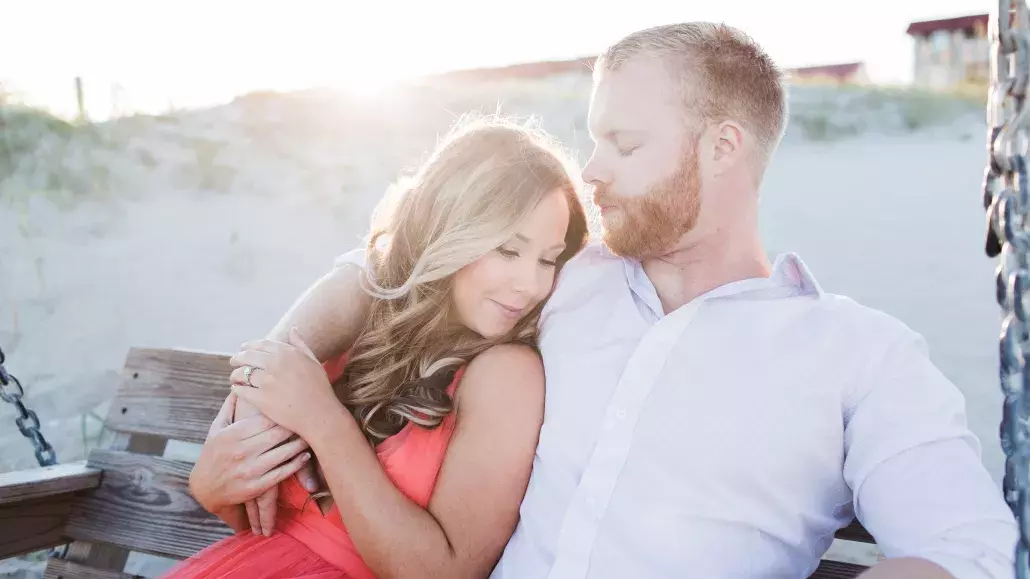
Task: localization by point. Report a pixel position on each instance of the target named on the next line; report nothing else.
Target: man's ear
(729, 140)
(724, 145)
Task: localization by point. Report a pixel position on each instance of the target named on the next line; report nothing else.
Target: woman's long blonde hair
(481, 181)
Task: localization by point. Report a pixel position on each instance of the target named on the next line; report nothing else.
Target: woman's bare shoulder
(506, 378)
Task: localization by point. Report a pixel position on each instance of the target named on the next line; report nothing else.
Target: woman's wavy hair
(482, 180)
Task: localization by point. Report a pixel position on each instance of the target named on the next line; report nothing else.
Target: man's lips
(603, 205)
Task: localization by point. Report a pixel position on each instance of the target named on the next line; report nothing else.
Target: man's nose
(594, 172)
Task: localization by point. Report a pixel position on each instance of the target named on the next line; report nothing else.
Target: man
(710, 414)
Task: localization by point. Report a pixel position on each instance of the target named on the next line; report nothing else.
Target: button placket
(597, 485)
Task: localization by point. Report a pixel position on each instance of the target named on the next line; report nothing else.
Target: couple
(706, 413)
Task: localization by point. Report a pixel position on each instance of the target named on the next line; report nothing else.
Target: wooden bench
(128, 497)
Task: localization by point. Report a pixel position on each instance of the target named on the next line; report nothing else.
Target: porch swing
(128, 497)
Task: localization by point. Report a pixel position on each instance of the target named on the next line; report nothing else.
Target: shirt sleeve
(914, 467)
(355, 256)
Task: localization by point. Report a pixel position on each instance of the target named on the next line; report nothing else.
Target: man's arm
(915, 469)
(908, 567)
(330, 315)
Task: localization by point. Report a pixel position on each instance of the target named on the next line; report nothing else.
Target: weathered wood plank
(101, 555)
(60, 569)
(143, 504)
(33, 483)
(34, 524)
(837, 570)
(170, 393)
(855, 532)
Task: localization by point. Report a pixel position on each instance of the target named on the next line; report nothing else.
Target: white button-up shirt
(733, 436)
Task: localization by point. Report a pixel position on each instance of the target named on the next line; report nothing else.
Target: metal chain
(27, 421)
(1006, 198)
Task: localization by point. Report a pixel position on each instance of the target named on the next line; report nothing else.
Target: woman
(425, 430)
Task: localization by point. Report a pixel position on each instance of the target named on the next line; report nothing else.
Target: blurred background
(175, 174)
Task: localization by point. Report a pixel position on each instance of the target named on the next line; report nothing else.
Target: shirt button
(620, 414)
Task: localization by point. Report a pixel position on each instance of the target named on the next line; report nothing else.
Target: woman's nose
(526, 277)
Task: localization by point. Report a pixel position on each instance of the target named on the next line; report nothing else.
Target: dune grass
(822, 111)
(222, 148)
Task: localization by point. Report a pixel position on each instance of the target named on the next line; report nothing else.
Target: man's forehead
(638, 94)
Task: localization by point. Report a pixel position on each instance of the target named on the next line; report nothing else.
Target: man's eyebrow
(616, 133)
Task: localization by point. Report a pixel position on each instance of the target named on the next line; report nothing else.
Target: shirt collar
(790, 277)
(789, 271)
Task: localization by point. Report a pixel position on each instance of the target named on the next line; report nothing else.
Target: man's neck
(698, 267)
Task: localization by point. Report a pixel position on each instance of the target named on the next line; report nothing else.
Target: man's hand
(330, 314)
(262, 508)
(241, 460)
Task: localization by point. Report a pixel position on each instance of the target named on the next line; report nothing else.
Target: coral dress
(308, 544)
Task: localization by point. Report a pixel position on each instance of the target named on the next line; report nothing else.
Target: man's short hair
(722, 73)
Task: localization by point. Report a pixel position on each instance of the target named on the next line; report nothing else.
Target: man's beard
(650, 225)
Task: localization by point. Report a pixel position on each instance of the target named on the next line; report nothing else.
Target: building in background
(843, 73)
(950, 52)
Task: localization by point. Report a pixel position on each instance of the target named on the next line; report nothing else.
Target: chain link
(1006, 198)
(27, 422)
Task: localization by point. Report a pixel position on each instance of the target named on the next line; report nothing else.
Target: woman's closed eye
(508, 253)
(514, 254)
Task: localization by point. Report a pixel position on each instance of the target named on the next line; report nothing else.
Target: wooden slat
(59, 569)
(34, 524)
(170, 393)
(837, 570)
(103, 556)
(35, 505)
(143, 504)
(855, 532)
(33, 483)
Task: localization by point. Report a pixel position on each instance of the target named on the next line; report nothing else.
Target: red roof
(525, 70)
(959, 23)
(842, 71)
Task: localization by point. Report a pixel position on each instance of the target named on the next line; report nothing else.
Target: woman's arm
(475, 504)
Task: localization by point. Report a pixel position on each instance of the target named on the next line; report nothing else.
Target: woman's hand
(287, 383)
(241, 460)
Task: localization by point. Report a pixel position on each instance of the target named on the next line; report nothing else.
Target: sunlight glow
(208, 52)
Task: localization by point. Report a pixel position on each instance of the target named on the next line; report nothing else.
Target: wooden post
(80, 99)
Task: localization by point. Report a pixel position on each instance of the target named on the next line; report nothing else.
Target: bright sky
(188, 52)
